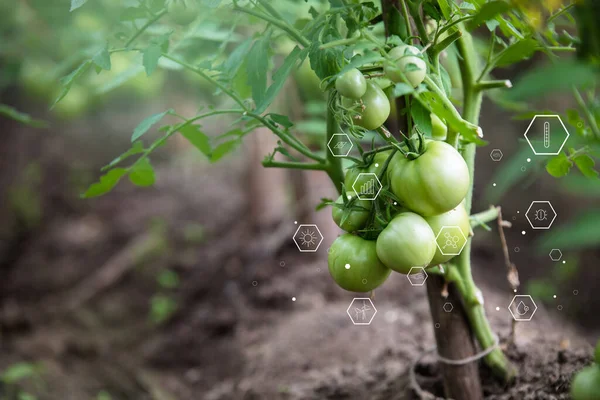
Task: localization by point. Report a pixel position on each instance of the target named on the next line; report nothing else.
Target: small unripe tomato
(586, 385)
(376, 108)
(183, 12)
(456, 217)
(358, 214)
(351, 84)
(376, 166)
(353, 264)
(439, 130)
(408, 60)
(406, 242)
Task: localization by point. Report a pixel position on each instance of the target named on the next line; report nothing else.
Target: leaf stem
(143, 28)
(333, 164)
(294, 165)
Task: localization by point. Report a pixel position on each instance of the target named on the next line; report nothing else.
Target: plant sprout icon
(541, 215)
(451, 241)
(522, 308)
(361, 313)
(308, 237)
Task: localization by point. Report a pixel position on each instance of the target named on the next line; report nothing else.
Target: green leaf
(280, 76)
(325, 62)
(136, 148)
(75, 4)
(421, 117)
(142, 173)
(106, 183)
(257, 64)
(19, 371)
(168, 279)
(559, 166)
(68, 80)
(401, 89)
(102, 59)
(489, 11)
(13, 113)
(236, 58)
(197, 138)
(557, 77)
(581, 232)
(446, 8)
(224, 148)
(146, 124)
(282, 120)
(151, 55)
(586, 164)
(516, 52)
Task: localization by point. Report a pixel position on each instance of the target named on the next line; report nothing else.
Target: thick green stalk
(334, 164)
(496, 360)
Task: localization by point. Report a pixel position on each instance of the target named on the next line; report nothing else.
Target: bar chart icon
(367, 186)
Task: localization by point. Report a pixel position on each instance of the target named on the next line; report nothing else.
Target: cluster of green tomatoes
(427, 186)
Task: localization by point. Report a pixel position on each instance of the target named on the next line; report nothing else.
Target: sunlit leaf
(197, 138)
(559, 166)
(13, 113)
(106, 183)
(146, 124)
(142, 173)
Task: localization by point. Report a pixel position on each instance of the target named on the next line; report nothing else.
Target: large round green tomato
(457, 217)
(357, 218)
(435, 182)
(586, 385)
(376, 108)
(183, 12)
(439, 130)
(351, 84)
(406, 242)
(354, 265)
(408, 60)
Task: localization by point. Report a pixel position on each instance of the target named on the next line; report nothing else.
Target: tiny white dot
(518, 212)
(564, 262)
(554, 296)
(529, 160)
(293, 299)
(349, 196)
(515, 290)
(497, 308)
(296, 222)
(347, 266)
(376, 165)
(494, 184)
(523, 232)
(395, 203)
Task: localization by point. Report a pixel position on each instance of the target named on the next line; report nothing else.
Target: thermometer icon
(547, 134)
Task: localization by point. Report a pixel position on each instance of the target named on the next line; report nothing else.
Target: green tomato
(354, 265)
(183, 12)
(406, 242)
(439, 130)
(375, 108)
(376, 166)
(586, 385)
(408, 60)
(435, 182)
(456, 217)
(358, 213)
(352, 84)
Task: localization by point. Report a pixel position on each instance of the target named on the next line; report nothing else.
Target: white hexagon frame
(358, 192)
(532, 302)
(496, 151)
(462, 234)
(555, 258)
(410, 273)
(340, 155)
(540, 227)
(547, 116)
(298, 245)
(372, 305)
(448, 307)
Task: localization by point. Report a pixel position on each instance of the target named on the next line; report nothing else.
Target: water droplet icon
(522, 308)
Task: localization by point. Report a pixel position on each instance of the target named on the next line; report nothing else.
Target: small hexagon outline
(540, 227)
(451, 306)
(347, 137)
(535, 307)
(410, 274)
(547, 116)
(358, 192)
(559, 256)
(307, 250)
(501, 155)
(350, 306)
(440, 232)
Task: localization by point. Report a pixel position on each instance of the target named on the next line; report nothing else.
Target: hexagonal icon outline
(532, 302)
(350, 315)
(560, 254)
(498, 151)
(547, 116)
(451, 227)
(318, 244)
(410, 274)
(380, 186)
(340, 155)
(448, 304)
(540, 227)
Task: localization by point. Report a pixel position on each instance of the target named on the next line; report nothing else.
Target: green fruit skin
(586, 385)
(406, 242)
(375, 167)
(435, 182)
(405, 55)
(439, 130)
(376, 108)
(352, 84)
(456, 217)
(361, 255)
(357, 218)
